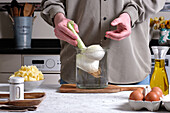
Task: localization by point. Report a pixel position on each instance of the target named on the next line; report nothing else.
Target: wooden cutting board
(30, 103)
(71, 88)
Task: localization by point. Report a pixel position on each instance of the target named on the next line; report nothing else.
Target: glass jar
(91, 80)
(16, 88)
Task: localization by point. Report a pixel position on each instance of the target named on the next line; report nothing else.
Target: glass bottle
(159, 76)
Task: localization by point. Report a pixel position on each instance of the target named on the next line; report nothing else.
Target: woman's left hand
(123, 23)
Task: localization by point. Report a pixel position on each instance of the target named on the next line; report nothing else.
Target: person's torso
(93, 18)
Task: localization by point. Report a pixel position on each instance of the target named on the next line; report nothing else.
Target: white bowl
(30, 85)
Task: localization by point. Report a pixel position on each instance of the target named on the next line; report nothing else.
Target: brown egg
(152, 96)
(158, 91)
(140, 89)
(136, 95)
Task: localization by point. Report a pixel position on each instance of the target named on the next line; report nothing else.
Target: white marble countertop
(56, 102)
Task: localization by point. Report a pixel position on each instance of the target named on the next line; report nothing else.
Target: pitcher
(159, 77)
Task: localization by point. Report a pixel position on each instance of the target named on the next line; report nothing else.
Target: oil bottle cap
(160, 51)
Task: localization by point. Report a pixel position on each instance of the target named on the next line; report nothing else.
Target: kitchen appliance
(48, 64)
(44, 55)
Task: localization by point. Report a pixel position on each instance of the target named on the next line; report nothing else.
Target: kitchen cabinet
(4, 77)
(51, 78)
(9, 63)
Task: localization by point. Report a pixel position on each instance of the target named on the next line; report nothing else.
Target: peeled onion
(87, 64)
(95, 52)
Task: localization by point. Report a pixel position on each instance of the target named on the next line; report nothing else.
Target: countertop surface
(42, 46)
(56, 102)
(45, 50)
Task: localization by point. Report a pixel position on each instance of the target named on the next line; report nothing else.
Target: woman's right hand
(61, 30)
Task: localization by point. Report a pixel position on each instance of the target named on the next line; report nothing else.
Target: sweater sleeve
(139, 10)
(50, 8)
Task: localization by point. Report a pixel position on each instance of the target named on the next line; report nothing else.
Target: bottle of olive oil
(159, 77)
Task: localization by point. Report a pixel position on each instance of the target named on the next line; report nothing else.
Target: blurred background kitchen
(45, 47)
(44, 51)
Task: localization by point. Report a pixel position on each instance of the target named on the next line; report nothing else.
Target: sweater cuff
(50, 12)
(133, 13)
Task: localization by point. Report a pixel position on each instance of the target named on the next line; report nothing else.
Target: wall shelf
(37, 5)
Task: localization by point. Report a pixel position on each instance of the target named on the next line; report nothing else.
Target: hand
(61, 30)
(123, 23)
